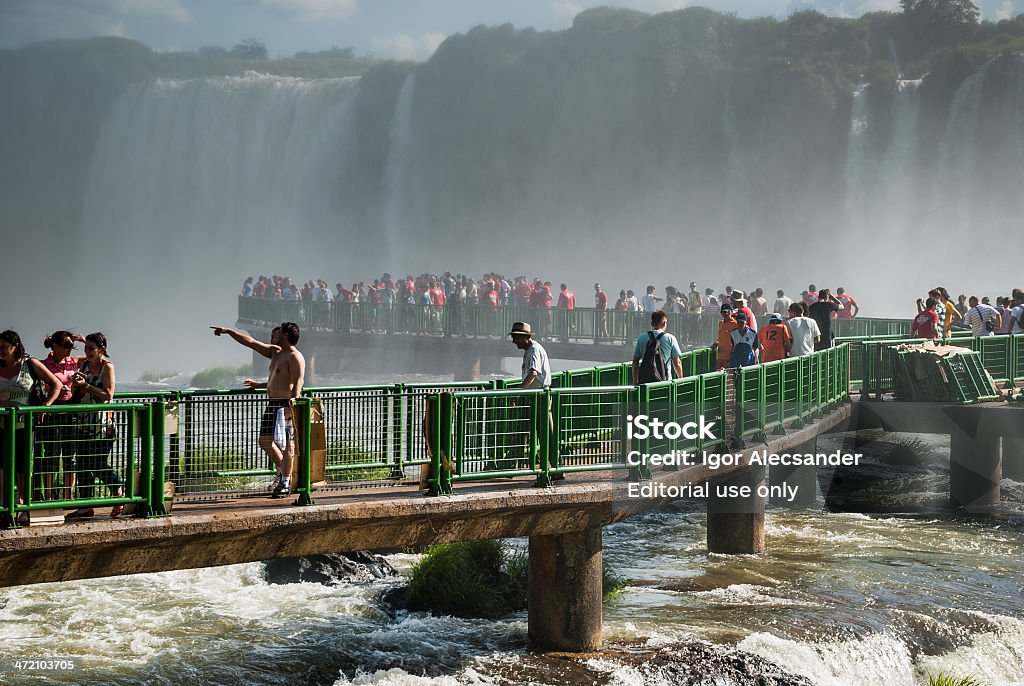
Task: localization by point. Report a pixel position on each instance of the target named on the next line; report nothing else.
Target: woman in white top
(18, 372)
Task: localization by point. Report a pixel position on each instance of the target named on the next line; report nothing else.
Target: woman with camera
(55, 438)
(93, 384)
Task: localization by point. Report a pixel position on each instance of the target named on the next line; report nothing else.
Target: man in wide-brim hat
(739, 304)
(536, 368)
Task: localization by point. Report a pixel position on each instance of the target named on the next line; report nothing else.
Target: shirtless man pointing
(284, 384)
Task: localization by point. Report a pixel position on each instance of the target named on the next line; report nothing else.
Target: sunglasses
(70, 345)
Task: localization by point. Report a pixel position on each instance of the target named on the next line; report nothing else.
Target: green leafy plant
(481, 579)
(156, 377)
(208, 469)
(942, 679)
(220, 376)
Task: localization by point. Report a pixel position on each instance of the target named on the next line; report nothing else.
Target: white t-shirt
(649, 302)
(782, 306)
(804, 330)
(976, 318)
(536, 358)
(1018, 314)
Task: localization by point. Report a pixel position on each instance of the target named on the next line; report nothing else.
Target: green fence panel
(589, 428)
(713, 399)
(749, 402)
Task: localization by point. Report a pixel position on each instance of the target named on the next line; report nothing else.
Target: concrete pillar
(975, 470)
(736, 513)
(565, 592)
(467, 367)
(1013, 457)
(803, 478)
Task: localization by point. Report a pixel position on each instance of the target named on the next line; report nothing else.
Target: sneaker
(282, 490)
(274, 483)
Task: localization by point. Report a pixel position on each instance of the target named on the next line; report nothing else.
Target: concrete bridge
(574, 432)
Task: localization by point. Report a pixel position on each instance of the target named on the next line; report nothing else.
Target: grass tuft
(942, 679)
(221, 376)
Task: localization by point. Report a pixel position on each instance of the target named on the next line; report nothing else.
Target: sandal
(78, 514)
(116, 511)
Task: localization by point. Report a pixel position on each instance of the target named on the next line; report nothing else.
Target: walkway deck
(252, 529)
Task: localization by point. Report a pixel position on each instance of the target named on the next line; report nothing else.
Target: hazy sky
(402, 29)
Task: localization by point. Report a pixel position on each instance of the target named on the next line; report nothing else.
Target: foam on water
(878, 659)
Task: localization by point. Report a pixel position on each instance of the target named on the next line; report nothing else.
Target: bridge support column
(1013, 457)
(565, 591)
(803, 478)
(975, 470)
(467, 367)
(736, 513)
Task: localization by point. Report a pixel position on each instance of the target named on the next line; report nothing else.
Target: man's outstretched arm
(265, 349)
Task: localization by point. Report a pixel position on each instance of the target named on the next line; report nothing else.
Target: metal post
(305, 489)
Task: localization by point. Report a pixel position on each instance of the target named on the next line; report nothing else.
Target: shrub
(481, 579)
(221, 376)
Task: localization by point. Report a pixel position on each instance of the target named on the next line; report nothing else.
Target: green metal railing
(546, 433)
(49, 452)
(1002, 357)
(206, 442)
(579, 324)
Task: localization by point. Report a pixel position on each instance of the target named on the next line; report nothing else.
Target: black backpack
(39, 392)
(652, 366)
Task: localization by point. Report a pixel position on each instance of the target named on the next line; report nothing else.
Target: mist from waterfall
(201, 183)
(192, 185)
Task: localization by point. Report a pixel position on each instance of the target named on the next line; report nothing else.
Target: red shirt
(436, 296)
(567, 300)
(601, 300)
(848, 304)
(492, 299)
(545, 295)
(63, 370)
(522, 289)
(925, 325)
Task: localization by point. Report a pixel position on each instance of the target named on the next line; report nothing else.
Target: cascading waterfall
(396, 172)
(955, 185)
(206, 180)
(897, 187)
(857, 171)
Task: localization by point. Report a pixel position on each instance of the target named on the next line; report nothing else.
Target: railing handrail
(391, 424)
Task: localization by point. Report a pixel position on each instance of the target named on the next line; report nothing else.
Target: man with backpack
(656, 354)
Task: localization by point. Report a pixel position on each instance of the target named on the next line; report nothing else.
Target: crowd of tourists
(938, 314)
(77, 445)
(495, 290)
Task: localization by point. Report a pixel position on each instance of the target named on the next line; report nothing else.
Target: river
(840, 598)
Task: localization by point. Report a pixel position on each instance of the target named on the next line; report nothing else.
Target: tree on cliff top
(941, 21)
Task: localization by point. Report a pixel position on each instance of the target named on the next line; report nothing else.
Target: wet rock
(689, 663)
(328, 569)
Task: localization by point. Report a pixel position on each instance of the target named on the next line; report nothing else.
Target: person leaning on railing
(18, 371)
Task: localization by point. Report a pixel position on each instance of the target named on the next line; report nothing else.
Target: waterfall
(204, 181)
(397, 174)
(896, 201)
(955, 184)
(857, 172)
